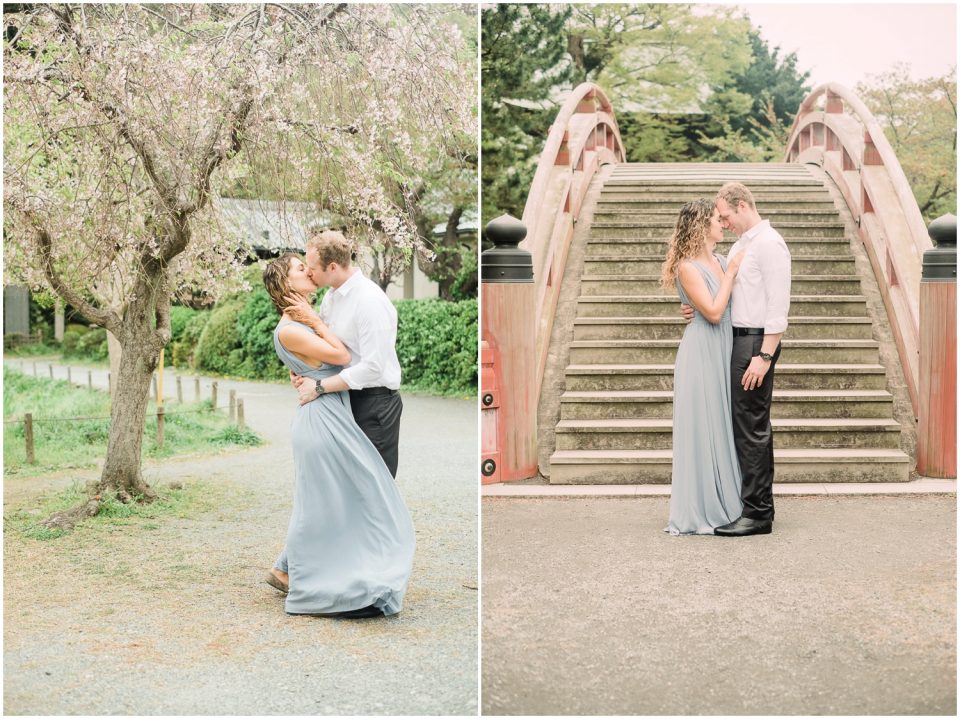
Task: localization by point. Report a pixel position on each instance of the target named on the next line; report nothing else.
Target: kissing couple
(350, 541)
(722, 474)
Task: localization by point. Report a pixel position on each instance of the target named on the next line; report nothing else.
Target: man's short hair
(733, 192)
(331, 246)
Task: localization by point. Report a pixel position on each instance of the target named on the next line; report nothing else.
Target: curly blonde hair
(275, 279)
(689, 236)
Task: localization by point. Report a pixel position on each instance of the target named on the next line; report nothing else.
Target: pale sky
(846, 42)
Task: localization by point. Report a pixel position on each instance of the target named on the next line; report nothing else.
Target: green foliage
(437, 344)
(522, 57)
(184, 350)
(255, 325)
(61, 444)
(219, 342)
(919, 118)
(179, 319)
(688, 84)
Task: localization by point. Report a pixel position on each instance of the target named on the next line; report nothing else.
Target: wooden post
(155, 395)
(196, 389)
(159, 377)
(50, 369)
(160, 427)
(28, 436)
(89, 379)
(69, 377)
(233, 404)
(240, 422)
(179, 390)
(213, 395)
(34, 369)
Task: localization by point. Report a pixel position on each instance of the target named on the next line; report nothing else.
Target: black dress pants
(377, 410)
(752, 433)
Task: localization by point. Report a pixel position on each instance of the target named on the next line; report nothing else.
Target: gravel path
(173, 617)
(849, 607)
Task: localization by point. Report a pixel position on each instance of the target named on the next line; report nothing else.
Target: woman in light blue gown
(350, 542)
(705, 484)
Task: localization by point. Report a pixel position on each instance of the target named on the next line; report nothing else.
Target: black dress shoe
(744, 526)
(362, 613)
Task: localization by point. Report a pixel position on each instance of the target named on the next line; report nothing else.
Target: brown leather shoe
(275, 582)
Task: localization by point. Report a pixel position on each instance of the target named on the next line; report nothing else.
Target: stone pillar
(937, 436)
(509, 331)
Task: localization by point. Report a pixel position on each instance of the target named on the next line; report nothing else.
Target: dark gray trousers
(377, 410)
(752, 433)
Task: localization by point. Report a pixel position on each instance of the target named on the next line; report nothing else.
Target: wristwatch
(765, 356)
(320, 390)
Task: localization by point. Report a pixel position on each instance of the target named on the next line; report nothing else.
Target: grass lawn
(61, 443)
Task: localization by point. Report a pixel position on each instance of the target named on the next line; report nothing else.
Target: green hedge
(436, 341)
(437, 344)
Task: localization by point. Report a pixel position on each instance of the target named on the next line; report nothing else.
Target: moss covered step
(662, 230)
(665, 328)
(652, 377)
(634, 246)
(787, 404)
(636, 265)
(632, 433)
(792, 465)
(665, 351)
(666, 306)
(594, 285)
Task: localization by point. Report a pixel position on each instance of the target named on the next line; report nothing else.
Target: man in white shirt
(759, 305)
(359, 313)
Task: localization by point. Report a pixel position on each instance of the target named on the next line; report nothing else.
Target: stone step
(620, 434)
(665, 351)
(787, 404)
(791, 465)
(594, 285)
(658, 216)
(612, 265)
(654, 200)
(665, 306)
(667, 328)
(663, 230)
(800, 247)
(653, 377)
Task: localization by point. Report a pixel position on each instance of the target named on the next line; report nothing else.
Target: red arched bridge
(577, 364)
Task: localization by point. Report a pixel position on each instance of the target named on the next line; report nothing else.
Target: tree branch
(104, 318)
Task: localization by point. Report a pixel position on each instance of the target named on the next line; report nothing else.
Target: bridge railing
(835, 130)
(583, 138)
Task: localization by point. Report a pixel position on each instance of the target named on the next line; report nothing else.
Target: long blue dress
(351, 541)
(705, 491)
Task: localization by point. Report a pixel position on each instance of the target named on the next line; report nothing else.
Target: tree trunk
(113, 354)
(121, 471)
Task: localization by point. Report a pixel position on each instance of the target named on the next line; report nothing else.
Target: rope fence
(234, 408)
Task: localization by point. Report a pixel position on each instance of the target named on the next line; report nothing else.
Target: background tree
(523, 56)
(690, 83)
(919, 118)
(123, 121)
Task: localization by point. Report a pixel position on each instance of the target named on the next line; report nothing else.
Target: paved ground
(848, 608)
(175, 618)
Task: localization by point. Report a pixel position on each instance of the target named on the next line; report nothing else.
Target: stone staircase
(832, 414)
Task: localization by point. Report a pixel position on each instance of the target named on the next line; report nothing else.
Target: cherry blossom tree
(123, 123)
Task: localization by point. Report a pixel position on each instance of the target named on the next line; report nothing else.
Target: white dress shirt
(761, 291)
(359, 313)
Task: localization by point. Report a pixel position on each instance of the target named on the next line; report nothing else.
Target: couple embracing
(722, 479)
(350, 541)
